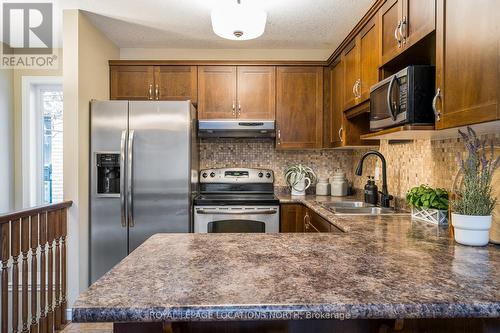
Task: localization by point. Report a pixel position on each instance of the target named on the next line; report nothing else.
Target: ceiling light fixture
(238, 22)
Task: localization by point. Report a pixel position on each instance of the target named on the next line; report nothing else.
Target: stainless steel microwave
(403, 98)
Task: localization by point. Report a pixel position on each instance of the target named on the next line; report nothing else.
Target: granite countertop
(381, 267)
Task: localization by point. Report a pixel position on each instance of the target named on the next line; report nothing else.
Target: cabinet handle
(358, 88)
(401, 34)
(233, 107)
(279, 137)
(150, 91)
(239, 109)
(354, 89)
(434, 102)
(396, 33)
(157, 92)
(340, 134)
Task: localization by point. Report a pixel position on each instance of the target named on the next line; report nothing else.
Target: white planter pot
(301, 186)
(471, 230)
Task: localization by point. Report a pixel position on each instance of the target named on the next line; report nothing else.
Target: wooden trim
(119, 62)
(354, 32)
(34, 210)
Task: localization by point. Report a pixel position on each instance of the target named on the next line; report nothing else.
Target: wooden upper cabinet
(216, 92)
(419, 17)
(335, 110)
(131, 82)
(369, 58)
(390, 22)
(350, 58)
(299, 107)
(403, 23)
(467, 62)
(176, 83)
(361, 59)
(256, 97)
(153, 83)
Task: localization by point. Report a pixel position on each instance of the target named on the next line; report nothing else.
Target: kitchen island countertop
(381, 267)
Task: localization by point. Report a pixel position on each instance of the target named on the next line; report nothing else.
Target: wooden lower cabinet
(292, 218)
(298, 218)
(467, 62)
(299, 107)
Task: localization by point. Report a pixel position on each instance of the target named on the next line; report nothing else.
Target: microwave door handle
(389, 97)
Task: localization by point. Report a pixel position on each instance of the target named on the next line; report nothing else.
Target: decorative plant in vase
(299, 177)
(474, 203)
(428, 204)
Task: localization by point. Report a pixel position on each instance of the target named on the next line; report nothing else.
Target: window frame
(32, 137)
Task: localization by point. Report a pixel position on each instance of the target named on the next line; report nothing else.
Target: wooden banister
(34, 239)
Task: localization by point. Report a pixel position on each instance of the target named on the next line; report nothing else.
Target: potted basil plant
(428, 204)
(299, 177)
(474, 204)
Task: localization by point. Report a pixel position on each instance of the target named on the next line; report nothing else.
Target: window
(42, 148)
(51, 103)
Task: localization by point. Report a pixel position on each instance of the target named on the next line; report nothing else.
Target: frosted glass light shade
(238, 22)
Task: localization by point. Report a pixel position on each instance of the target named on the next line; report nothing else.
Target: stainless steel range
(236, 200)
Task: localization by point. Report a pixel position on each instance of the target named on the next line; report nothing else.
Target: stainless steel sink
(363, 211)
(347, 204)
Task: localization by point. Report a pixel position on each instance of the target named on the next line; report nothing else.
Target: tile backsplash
(261, 153)
(409, 164)
(416, 162)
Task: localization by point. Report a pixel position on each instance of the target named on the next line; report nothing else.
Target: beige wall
(86, 77)
(224, 54)
(18, 108)
(6, 140)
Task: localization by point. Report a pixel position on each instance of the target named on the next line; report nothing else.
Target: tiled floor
(89, 328)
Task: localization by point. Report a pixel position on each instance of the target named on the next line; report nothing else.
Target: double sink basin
(356, 208)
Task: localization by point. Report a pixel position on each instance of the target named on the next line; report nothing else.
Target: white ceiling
(292, 24)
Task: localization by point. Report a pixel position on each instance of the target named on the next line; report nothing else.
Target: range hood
(236, 128)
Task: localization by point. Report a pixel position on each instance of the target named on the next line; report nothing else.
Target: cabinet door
(217, 92)
(351, 75)
(299, 107)
(131, 82)
(256, 92)
(467, 62)
(176, 83)
(319, 223)
(291, 218)
(369, 57)
(390, 18)
(336, 112)
(419, 19)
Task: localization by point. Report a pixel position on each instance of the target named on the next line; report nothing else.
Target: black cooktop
(233, 199)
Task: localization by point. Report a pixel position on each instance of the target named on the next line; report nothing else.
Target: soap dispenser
(371, 191)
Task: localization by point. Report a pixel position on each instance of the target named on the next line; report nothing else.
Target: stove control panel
(236, 175)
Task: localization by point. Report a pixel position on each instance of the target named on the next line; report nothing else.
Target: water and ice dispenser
(108, 174)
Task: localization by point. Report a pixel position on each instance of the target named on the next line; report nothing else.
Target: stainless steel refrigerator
(143, 175)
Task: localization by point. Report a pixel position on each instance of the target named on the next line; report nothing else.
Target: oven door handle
(392, 111)
(237, 212)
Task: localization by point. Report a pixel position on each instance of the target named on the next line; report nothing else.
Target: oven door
(229, 219)
(388, 101)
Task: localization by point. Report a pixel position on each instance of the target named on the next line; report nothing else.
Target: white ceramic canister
(339, 184)
(323, 187)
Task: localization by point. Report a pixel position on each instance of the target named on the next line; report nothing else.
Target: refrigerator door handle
(130, 185)
(122, 179)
